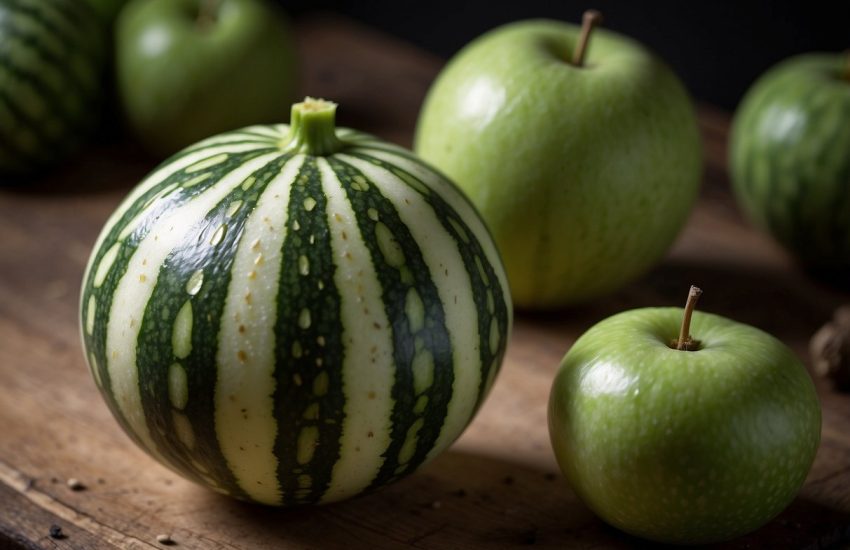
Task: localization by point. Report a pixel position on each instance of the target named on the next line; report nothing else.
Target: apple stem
(312, 128)
(685, 341)
(589, 20)
(208, 12)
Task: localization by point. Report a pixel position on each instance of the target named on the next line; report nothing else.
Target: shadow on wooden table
(787, 304)
(99, 168)
(465, 500)
(460, 500)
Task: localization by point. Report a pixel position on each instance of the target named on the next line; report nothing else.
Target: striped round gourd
(52, 57)
(295, 314)
(789, 158)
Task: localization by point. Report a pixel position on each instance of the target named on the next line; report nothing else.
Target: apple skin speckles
(683, 446)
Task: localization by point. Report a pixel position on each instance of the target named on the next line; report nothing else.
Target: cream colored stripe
(245, 420)
(157, 177)
(260, 133)
(368, 368)
(136, 286)
(272, 131)
(456, 199)
(348, 133)
(447, 271)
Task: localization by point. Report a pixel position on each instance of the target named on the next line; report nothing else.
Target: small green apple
(585, 171)
(188, 69)
(690, 445)
(790, 158)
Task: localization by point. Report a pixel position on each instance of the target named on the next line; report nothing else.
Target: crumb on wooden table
(75, 484)
(165, 539)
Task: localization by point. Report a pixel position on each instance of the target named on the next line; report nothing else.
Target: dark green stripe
(38, 156)
(840, 220)
(77, 18)
(10, 163)
(260, 145)
(96, 343)
(71, 12)
(74, 118)
(786, 199)
(469, 250)
(434, 337)
(300, 359)
(260, 135)
(58, 62)
(82, 46)
(24, 161)
(383, 147)
(830, 181)
(262, 148)
(73, 123)
(37, 15)
(67, 109)
(155, 353)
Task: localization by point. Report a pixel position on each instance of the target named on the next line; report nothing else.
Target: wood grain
(498, 486)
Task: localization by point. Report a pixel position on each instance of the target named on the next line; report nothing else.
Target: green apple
(790, 157)
(585, 173)
(692, 445)
(188, 69)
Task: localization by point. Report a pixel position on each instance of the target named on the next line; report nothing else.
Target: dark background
(717, 48)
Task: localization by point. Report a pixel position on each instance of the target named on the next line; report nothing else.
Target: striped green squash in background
(295, 315)
(789, 158)
(52, 57)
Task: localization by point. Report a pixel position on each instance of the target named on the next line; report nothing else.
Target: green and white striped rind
(51, 63)
(790, 157)
(292, 329)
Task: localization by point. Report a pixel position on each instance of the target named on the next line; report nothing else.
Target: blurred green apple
(789, 158)
(691, 445)
(188, 69)
(584, 172)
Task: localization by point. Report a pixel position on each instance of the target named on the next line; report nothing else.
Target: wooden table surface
(498, 486)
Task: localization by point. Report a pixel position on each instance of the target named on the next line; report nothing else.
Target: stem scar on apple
(589, 20)
(685, 341)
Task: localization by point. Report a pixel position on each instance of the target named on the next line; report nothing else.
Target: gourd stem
(312, 128)
(589, 20)
(685, 341)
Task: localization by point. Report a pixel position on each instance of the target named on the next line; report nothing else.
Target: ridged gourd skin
(52, 58)
(288, 327)
(583, 194)
(790, 158)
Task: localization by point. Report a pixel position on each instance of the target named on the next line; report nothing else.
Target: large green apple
(683, 446)
(188, 69)
(585, 174)
(790, 157)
